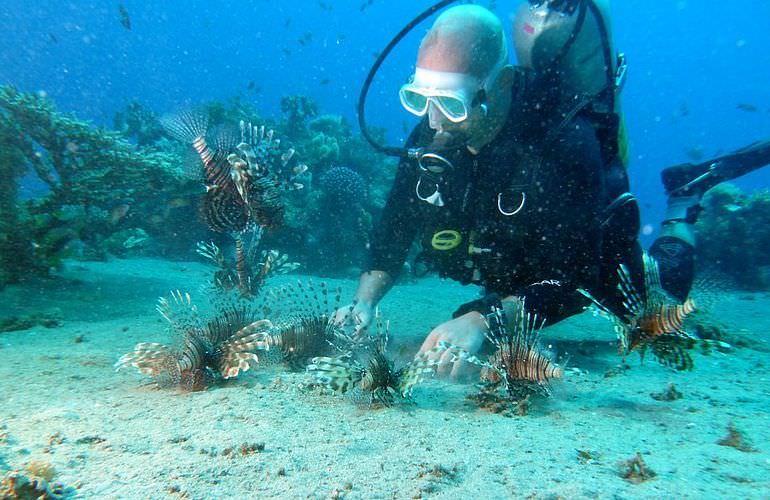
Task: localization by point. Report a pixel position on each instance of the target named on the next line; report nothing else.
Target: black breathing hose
(389, 150)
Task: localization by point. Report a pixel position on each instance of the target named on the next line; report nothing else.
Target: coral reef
(139, 123)
(33, 483)
(734, 235)
(131, 191)
(297, 109)
(97, 183)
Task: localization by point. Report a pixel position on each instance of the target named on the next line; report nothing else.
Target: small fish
(324, 81)
(305, 39)
(286, 51)
(287, 22)
(125, 19)
(53, 38)
(749, 108)
(366, 5)
(251, 85)
(325, 6)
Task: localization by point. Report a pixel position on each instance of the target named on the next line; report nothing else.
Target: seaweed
(635, 470)
(670, 394)
(737, 439)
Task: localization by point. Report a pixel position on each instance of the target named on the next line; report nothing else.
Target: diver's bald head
(466, 39)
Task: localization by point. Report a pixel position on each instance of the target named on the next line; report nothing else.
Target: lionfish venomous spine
(204, 351)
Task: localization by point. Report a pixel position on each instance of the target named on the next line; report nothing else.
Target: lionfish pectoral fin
(672, 351)
(233, 363)
(415, 372)
(460, 354)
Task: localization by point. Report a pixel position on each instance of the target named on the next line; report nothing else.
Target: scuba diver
(515, 178)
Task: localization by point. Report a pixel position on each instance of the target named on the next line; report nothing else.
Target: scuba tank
(568, 45)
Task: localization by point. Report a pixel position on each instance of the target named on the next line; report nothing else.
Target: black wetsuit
(556, 243)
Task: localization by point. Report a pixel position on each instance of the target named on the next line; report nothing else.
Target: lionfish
(250, 269)
(517, 364)
(363, 369)
(244, 180)
(304, 327)
(203, 351)
(651, 319)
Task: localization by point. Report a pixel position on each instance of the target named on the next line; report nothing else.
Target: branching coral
(98, 183)
(82, 164)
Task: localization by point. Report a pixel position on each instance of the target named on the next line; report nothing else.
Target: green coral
(734, 234)
(93, 177)
(322, 151)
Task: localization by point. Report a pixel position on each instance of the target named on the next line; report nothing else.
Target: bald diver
(515, 178)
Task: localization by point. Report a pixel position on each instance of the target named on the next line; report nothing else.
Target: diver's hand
(465, 332)
(355, 317)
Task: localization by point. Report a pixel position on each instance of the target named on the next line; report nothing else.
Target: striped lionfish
(651, 319)
(250, 269)
(517, 364)
(244, 180)
(363, 369)
(203, 351)
(304, 328)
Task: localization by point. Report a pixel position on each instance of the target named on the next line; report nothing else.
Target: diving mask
(453, 94)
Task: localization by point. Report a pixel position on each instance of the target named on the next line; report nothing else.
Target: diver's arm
(372, 287)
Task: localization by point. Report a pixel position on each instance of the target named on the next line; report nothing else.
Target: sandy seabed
(110, 435)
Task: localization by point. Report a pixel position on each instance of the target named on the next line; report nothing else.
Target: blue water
(703, 56)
